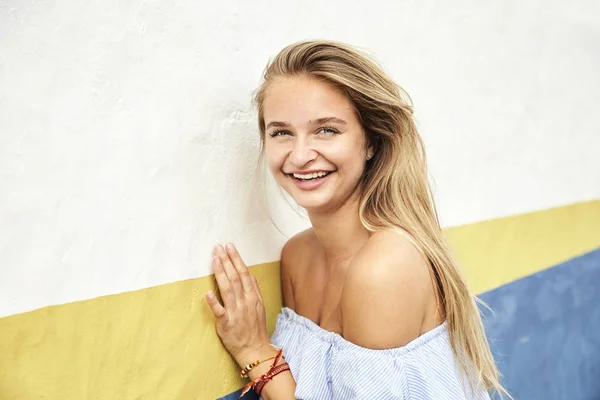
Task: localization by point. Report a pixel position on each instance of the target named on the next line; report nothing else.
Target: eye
(328, 131)
(279, 133)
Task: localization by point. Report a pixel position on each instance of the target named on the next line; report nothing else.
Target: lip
(313, 183)
(308, 171)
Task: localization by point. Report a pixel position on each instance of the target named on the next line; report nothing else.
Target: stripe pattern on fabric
(326, 366)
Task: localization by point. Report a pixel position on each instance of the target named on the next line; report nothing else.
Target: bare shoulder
(297, 243)
(294, 250)
(387, 292)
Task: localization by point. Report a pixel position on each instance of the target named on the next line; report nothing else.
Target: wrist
(258, 379)
(250, 355)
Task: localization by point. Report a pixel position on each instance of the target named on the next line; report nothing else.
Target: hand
(241, 320)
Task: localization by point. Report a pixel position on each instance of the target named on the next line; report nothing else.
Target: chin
(311, 205)
(315, 201)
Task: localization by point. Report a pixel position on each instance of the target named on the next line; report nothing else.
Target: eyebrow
(318, 121)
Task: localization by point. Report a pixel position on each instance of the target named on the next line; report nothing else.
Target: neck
(340, 232)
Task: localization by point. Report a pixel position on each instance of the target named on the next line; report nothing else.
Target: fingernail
(220, 249)
(229, 246)
(210, 296)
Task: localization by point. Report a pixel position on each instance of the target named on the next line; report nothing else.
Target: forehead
(300, 99)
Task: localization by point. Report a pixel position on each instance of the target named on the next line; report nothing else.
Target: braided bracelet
(277, 370)
(266, 377)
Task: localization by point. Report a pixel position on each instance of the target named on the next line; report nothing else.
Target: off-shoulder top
(327, 366)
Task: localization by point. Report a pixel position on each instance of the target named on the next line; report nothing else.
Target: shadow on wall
(545, 331)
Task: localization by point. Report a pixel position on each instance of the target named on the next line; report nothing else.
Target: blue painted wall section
(545, 331)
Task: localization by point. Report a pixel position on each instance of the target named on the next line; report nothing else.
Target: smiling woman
(318, 147)
(374, 305)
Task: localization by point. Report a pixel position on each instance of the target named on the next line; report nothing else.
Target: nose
(302, 153)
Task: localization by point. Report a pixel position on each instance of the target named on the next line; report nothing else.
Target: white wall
(127, 142)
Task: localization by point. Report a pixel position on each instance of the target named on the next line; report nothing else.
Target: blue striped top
(327, 366)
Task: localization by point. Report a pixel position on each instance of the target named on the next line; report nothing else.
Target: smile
(310, 181)
(312, 176)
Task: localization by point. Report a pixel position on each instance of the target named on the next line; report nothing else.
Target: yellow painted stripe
(495, 252)
(160, 343)
(155, 343)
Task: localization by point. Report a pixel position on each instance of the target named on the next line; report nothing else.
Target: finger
(256, 287)
(232, 274)
(225, 288)
(241, 268)
(217, 309)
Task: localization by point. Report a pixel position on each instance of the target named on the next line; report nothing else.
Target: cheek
(351, 160)
(354, 168)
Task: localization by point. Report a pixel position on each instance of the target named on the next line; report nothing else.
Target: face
(315, 145)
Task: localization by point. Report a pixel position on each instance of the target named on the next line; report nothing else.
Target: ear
(370, 152)
(372, 143)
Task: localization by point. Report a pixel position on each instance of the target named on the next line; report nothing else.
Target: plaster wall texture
(127, 141)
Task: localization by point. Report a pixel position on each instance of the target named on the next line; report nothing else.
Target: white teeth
(310, 176)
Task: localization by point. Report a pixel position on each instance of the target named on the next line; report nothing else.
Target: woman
(374, 305)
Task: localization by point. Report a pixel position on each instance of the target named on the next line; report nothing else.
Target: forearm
(280, 387)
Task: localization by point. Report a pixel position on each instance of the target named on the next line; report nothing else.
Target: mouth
(310, 177)
(310, 181)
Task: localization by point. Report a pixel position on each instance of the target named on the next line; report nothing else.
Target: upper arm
(386, 292)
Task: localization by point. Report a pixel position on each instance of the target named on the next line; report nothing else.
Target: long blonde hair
(396, 192)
